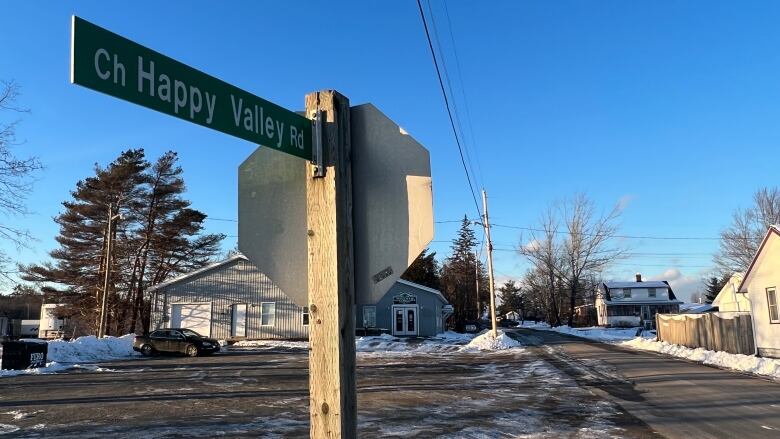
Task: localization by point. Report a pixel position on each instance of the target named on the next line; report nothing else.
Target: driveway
(676, 398)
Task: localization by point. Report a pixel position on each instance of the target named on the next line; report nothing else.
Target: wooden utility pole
(332, 392)
(107, 275)
(476, 274)
(486, 224)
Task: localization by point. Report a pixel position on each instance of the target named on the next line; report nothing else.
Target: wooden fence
(728, 332)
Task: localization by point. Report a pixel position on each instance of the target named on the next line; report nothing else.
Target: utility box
(18, 355)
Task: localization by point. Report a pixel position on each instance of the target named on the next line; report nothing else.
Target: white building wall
(765, 273)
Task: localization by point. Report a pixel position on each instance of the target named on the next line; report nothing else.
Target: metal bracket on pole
(318, 159)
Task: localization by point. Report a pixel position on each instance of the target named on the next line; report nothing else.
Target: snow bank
(486, 342)
(768, 367)
(91, 349)
(64, 355)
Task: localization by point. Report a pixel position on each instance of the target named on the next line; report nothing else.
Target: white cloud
(682, 285)
(532, 245)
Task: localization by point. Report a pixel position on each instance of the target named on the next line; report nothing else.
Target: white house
(761, 282)
(729, 299)
(629, 304)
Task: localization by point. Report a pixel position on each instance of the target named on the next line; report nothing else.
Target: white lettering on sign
(118, 67)
(253, 119)
(184, 95)
(193, 102)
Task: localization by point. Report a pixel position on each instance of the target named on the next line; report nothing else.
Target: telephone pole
(107, 277)
(476, 276)
(486, 225)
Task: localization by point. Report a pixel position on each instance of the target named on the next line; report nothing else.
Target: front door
(404, 319)
(238, 324)
(647, 317)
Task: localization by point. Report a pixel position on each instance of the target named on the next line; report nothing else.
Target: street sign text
(111, 64)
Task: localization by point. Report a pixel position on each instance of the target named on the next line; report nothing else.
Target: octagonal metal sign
(392, 209)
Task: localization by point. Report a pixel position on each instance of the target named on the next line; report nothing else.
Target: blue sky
(670, 108)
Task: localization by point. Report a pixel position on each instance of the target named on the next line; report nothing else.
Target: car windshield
(190, 333)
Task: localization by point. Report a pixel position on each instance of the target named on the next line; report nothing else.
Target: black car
(178, 340)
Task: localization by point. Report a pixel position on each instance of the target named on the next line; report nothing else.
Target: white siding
(765, 274)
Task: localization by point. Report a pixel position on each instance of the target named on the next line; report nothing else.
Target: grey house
(406, 309)
(233, 300)
(229, 300)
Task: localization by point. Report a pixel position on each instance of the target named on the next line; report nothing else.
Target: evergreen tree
(459, 275)
(155, 235)
(424, 271)
(713, 287)
(511, 299)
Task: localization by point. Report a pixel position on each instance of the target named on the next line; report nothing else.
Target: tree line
(154, 235)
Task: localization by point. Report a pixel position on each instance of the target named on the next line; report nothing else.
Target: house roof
(773, 230)
(726, 291)
(424, 288)
(207, 268)
(697, 308)
(606, 286)
(645, 284)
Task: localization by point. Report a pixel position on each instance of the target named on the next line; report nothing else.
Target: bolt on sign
(106, 62)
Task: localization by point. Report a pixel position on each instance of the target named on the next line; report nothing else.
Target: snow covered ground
(387, 344)
(767, 367)
(81, 353)
(593, 332)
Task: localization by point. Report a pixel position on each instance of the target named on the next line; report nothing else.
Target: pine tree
(155, 235)
(458, 277)
(713, 287)
(424, 270)
(511, 299)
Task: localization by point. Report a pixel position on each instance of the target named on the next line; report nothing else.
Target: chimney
(639, 277)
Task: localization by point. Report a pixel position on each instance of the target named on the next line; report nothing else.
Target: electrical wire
(447, 105)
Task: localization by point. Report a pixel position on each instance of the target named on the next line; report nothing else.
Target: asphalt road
(676, 398)
(264, 393)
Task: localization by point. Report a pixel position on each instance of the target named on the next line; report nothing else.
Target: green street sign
(108, 63)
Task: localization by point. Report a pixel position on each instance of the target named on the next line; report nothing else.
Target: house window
(626, 293)
(651, 292)
(267, 313)
(305, 316)
(771, 300)
(369, 317)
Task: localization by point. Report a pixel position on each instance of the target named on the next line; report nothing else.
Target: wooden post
(332, 392)
(486, 223)
(107, 276)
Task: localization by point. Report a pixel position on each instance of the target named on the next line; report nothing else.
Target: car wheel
(147, 350)
(191, 350)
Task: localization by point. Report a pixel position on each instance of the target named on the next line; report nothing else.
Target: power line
(447, 105)
(689, 238)
(451, 93)
(208, 218)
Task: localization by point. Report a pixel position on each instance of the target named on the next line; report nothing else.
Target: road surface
(676, 398)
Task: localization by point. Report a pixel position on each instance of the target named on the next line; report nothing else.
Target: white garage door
(195, 316)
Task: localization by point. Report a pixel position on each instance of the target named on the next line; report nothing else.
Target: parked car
(178, 340)
(508, 323)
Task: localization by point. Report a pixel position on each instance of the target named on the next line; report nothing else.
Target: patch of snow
(270, 344)
(598, 333)
(91, 349)
(8, 429)
(768, 367)
(81, 353)
(487, 342)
